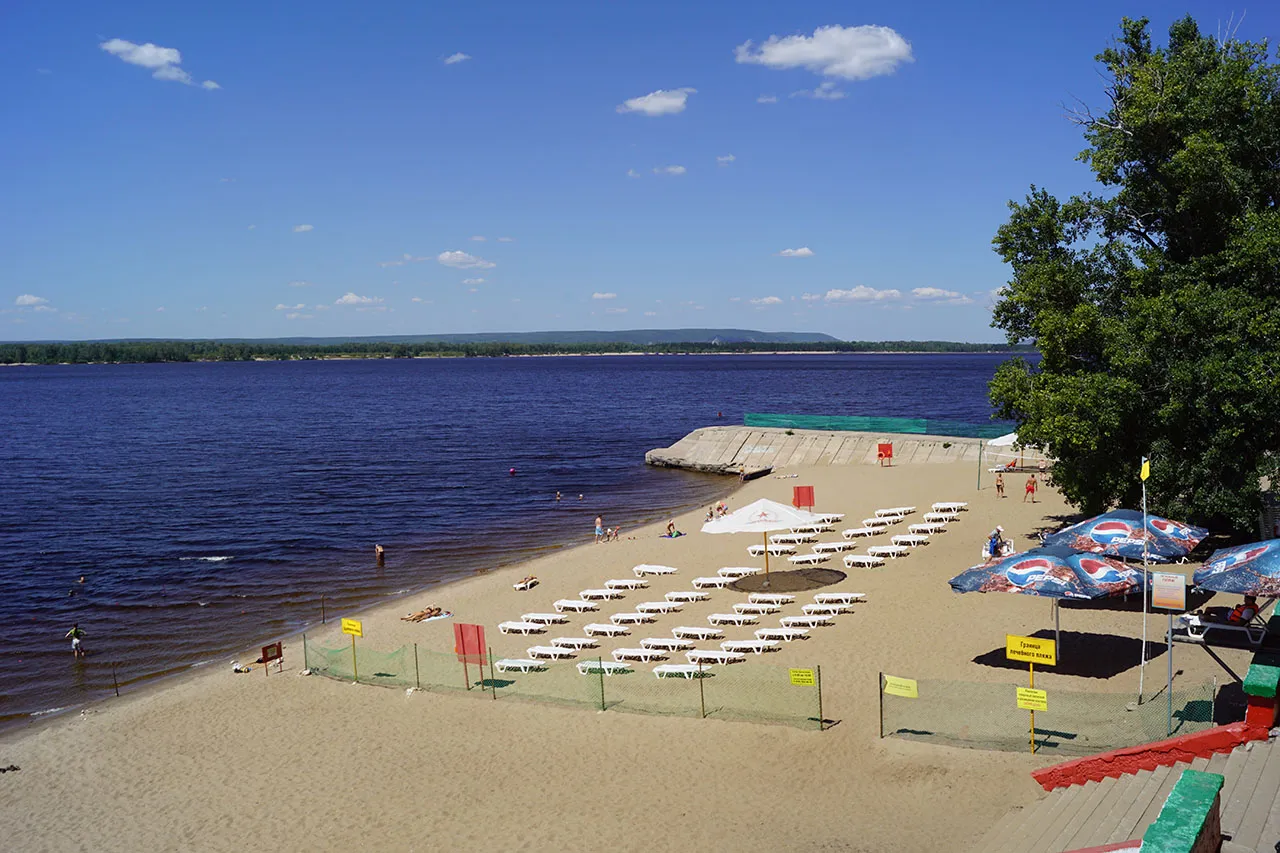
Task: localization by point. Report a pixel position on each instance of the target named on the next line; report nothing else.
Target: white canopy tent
(763, 517)
(1007, 440)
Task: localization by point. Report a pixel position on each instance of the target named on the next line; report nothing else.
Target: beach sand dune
(218, 761)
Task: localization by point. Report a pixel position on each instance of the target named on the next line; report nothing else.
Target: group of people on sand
(1029, 489)
(425, 614)
(718, 510)
(606, 534)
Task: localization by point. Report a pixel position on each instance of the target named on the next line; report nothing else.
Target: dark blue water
(212, 505)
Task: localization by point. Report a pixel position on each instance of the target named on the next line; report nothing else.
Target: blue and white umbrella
(1120, 533)
(1252, 569)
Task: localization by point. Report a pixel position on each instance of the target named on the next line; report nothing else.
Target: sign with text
(803, 677)
(1168, 591)
(272, 652)
(904, 687)
(1030, 699)
(468, 643)
(353, 627)
(1031, 650)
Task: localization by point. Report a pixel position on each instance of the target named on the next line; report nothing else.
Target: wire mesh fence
(986, 716)
(748, 692)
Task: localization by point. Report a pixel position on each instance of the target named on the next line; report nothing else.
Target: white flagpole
(1146, 592)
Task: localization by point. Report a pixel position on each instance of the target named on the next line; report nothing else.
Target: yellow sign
(1169, 590)
(905, 687)
(803, 677)
(353, 627)
(1146, 468)
(1030, 699)
(1030, 650)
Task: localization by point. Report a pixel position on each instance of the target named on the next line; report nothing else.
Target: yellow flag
(1146, 468)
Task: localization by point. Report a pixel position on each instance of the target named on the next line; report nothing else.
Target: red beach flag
(468, 643)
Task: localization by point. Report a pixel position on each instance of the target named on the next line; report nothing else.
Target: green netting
(986, 716)
(920, 426)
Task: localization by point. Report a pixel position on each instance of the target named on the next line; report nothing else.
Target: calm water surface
(210, 506)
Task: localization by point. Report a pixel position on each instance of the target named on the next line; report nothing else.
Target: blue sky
(329, 168)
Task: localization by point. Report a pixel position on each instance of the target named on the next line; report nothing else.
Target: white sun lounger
(608, 667)
(710, 656)
(771, 598)
(911, 540)
(599, 594)
(626, 583)
(826, 609)
(665, 644)
(575, 643)
(940, 517)
(862, 561)
(805, 621)
(808, 559)
(754, 647)
(646, 569)
(735, 572)
(715, 582)
(631, 618)
(839, 597)
(784, 634)
(812, 529)
(521, 627)
(792, 538)
(596, 629)
(546, 618)
(891, 551)
(854, 532)
(879, 522)
(686, 632)
(833, 547)
(519, 665)
(732, 619)
(680, 670)
(642, 655)
(574, 605)
(831, 517)
(930, 527)
(755, 609)
(686, 596)
(551, 653)
(774, 550)
(950, 506)
(658, 607)
(895, 512)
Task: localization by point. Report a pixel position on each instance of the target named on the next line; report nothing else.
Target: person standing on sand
(74, 636)
(999, 484)
(599, 527)
(1030, 490)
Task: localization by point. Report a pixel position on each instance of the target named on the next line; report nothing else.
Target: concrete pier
(734, 449)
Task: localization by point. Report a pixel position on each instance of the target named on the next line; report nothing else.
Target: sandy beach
(219, 761)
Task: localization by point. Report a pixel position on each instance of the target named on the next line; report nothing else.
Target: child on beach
(74, 636)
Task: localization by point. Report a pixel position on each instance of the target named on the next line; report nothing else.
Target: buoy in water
(513, 472)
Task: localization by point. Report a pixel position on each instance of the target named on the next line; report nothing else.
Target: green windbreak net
(849, 423)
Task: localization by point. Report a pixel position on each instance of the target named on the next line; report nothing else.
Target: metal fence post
(417, 675)
(880, 698)
(600, 674)
(322, 620)
(818, 678)
(305, 664)
(702, 696)
(493, 679)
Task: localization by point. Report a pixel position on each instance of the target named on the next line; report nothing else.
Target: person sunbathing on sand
(528, 583)
(422, 615)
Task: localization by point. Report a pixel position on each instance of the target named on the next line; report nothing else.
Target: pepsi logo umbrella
(1252, 569)
(1051, 572)
(1120, 533)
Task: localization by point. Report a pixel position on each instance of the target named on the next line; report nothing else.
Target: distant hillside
(639, 337)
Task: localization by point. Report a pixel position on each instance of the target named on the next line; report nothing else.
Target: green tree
(1155, 300)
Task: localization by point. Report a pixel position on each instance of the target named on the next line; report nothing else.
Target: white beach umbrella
(1004, 440)
(763, 517)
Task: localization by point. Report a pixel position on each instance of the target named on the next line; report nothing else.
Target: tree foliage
(1154, 299)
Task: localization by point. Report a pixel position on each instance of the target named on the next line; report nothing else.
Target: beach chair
(597, 629)
(685, 632)
(928, 527)
(732, 619)
(805, 622)
(825, 609)
(911, 540)
(950, 506)
(574, 605)
(575, 643)
(891, 551)
(551, 653)
(792, 538)
(658, 607)
(940, 517)
(664, 644)
(710, 656)
(774, 550)
(812, 529)
(786, 635)
(862, 561)
(599, 594)
(833, 547)
(880, 523)
(893, 512)
(519, 665)
(855, 532)
(755, 647)
(1255, 630)
(680, 670)
(526, 584)
(685, 596)
(808, 559)
(608, 667)
(626, 583)
(716, 582)
(839, 597)
(831, 517)
(631, 618)
(546, 618)
(642, 655)
(749, 609)
(735, 572)
(521, 627)
(646, 569)
(771, 598)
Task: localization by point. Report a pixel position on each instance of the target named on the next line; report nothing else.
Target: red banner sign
(802, 496)
(468, 643)
(272, 652)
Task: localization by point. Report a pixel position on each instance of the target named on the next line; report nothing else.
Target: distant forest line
(88, 352)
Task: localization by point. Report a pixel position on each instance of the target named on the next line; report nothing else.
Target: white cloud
(825, 91)
(299, 283)
(251, 227)
(632, 173)
(851, 53)
(651, 313)
(660, 103)
(385, 264)
(506, 239)
(350, 298)
(725, 160)
(462, 261)
(473, 281)
(302, 229)
(454, 59)
(321, 308)
(479, 238)
(45, 308)
(160, 309)
(226, 180)
(802, 252)
(615, 310)
(766, 300)
(165, 62)
(811, 297)
(421, 300)
(473, 290)
(294, 315)
(767, 99)
(669, 170)
(598, 295)
(29, 300)
(937, 294)
(283, 307)
(862, 293)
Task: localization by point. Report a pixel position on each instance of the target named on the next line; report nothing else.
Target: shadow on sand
(1084, 655)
